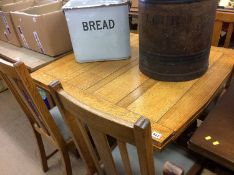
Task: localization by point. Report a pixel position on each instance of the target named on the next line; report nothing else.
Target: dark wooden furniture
(45, 123)
(214, 138)
(123, 159)
(221, 18)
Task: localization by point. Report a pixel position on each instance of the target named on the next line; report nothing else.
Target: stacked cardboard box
(43, 29)
(7, 30)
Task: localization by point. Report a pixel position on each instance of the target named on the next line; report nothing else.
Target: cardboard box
(7, 29)
(99, 30)
(5, 23)
(43, 29)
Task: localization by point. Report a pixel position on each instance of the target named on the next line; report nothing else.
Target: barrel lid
(74, 4)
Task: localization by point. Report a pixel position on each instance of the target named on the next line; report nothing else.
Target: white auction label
(156, 135)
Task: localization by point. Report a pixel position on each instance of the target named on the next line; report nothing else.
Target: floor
(18, 151)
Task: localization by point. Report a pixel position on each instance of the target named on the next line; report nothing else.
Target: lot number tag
(156, 135)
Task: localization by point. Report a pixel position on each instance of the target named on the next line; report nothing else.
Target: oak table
(119, 85)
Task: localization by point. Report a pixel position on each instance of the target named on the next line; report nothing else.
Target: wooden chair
(2, 85)
(133, 13)
(134, 153)
(134, 8)
(48, 124)
(221, 18)
(214, 138)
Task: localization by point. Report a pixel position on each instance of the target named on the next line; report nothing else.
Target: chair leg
(41, 151)
(66, 161)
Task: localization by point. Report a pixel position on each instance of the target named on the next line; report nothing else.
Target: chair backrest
(20, 83)
(134, 7)
(101, 125)
(134, 4)
(221, 18)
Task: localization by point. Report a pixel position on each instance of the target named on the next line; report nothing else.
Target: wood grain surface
(120, 86)
(31, 59)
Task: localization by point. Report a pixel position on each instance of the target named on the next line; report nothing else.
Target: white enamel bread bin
(99, 29)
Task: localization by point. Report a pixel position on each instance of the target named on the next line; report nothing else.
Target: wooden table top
(119, 85)
(33, 60)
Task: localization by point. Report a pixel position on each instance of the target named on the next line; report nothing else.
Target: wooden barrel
(175, 38)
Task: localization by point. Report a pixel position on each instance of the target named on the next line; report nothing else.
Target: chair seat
(60, 122)
(172, 153)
